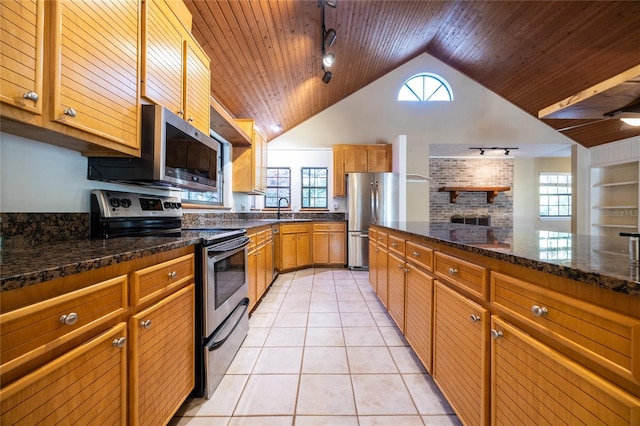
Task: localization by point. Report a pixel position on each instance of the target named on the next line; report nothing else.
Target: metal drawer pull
(416, 254)
(172, 274)
(539, 311)
(119, 343)
(70, 319)
(70, 112)
(145, 324)
(394, 244)
(496, 334)
(400, 266)
(180, 112)
(453, 271)
(474, 318)
(190, 119)
(32, 96)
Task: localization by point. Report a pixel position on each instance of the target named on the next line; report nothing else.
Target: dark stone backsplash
(38, 228)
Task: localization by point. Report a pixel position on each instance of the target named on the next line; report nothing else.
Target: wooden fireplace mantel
(491, 191)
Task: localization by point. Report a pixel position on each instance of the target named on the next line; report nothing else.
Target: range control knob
(125, 202)
(115, 202)
(167, 204)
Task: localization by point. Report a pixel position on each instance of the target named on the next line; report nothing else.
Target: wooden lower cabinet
(162, 358)
(381, 282)
(295, 246)
(397, 273)
(461, 354)
(419, 314)
(373, 265)
(533, 384)
(329, 243)
(87, 385)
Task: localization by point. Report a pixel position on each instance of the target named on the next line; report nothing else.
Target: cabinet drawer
(373, 235)
(419, 255)
(328, 227)
(161, 279)
(85, 386)
(260, 237)
(396, 243)
(462, 274)
(381, 238)
(294, 228)
(604, 337)
(32, 331)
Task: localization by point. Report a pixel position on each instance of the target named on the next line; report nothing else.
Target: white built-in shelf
(629, 182)
(605, 225)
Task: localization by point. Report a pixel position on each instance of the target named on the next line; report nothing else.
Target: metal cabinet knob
(70, 112)
(32, 96)
(496, 334)
(190, 119)
(180, 112)
(145, 324)
(119, 343)
(172, 274)
(416, 254)
(453, 271)
(400, 266)
(474, 318)
(407, 270)
(394, 244)
(539, 311)
(69, 319)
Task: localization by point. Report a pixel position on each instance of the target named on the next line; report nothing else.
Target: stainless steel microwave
(174, 154)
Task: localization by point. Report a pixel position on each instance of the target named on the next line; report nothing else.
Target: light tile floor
(322, 350)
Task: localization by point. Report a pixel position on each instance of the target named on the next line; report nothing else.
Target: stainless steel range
(222, 320)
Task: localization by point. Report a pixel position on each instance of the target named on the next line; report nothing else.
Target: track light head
(326, 78)
(328, 59)
(330, 37)
(481, 151)
(331, 3)
(506, 151)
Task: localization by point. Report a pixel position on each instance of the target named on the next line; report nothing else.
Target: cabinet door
(252, 278)
(531, 381)
(85, 386)
(162, 64)
(382, 263)
(419, 314)
(261, 266)
(338, 171)
(460, 357)
(303, 248)
(163, 346)
(21, 58)
(95, 78)
(197, 82)
(379, 158)
(289, 251)
(355, 159)
(321, 247)
(373, 265)
(396, 290)
(337, 252)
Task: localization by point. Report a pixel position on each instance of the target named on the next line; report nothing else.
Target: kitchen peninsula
(516, 324)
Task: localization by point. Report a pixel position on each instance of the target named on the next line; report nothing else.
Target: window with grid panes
(555, 195)
(314, 187)
(278, 187)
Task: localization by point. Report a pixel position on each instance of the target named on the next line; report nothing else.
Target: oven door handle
(215, 342)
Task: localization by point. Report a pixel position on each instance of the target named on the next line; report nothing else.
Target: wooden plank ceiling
(266, 55)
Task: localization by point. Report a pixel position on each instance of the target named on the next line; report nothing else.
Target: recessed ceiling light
(276, 128)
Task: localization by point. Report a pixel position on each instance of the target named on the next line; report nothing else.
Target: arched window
(425, 87)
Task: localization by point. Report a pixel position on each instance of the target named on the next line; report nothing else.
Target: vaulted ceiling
(266, 55)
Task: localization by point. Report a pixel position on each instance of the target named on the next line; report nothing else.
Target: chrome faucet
(279, 200)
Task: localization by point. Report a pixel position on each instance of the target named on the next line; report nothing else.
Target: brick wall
(471, 172)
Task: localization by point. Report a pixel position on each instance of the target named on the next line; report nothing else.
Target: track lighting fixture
(328, 39)
(483, 149)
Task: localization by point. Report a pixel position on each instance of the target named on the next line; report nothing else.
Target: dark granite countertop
(26, 263)
(594, 260)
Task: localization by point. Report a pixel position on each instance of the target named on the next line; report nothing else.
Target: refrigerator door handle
(374, 219)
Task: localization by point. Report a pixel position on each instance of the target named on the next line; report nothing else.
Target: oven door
(225, 281)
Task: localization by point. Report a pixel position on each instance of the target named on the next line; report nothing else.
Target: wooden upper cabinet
(197, 83)
(21, 58)
(358, 159)
(250, 164)
(95, 68)
(162, 53)
(175, 69)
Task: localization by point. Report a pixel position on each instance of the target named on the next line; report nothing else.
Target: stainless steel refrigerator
(372, 198)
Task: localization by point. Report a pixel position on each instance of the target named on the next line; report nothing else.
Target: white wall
(525, 193)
